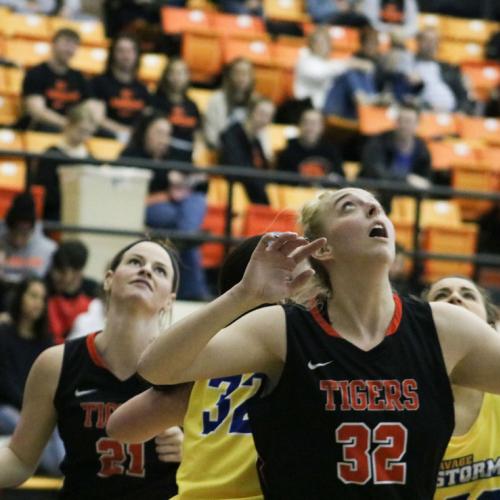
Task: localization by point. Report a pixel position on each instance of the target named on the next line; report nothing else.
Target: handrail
(237, 173)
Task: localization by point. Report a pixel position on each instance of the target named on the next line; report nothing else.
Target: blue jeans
(185, 215)
(54, 450)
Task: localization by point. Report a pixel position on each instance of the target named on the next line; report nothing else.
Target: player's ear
(108, 278)
(323, 253)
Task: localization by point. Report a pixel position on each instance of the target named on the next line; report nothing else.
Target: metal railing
(234, 174)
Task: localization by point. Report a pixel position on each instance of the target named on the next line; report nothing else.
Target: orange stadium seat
(90, 60)
(475, 178)
(376, 119)
(233, 25)
(176, 20)
(431, 21)
(104, 149)
(259, 219)
(445, 154)
(433, 125)
(31, 26)
(27, 53)
(489, 157)
(461, 240)
(38, 142)
(270, 82)
(91, 31)
(11, 81)
(257, 51)
(286, 10)
(476, 127)
(286, 49)
(12, 168)
(212, 254)
(459, 52)
(151, 67)
(8, 194)
(467, 30)
(10, 107)
(203, 55)
(12, 173)
(484, 77)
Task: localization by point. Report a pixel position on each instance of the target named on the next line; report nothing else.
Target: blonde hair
(311, 219)
(82, 113)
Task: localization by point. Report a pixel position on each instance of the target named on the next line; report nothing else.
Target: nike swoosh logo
(79, 394)
(313, 366)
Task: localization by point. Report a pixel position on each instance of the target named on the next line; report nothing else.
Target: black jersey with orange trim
(352, 424)
(95, 466)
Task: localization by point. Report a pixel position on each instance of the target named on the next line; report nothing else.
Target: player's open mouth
(378, 231)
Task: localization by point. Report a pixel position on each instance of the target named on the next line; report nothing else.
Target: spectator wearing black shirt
(22, 338)
(182, 113)
(52, 88)
(309, 153)
(398, 154)
(81, 124)
(173, 203)
(122, 97)
(70, 293)
(242, 145)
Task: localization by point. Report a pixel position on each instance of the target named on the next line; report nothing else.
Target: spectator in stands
(242, 144)
(171, 98)
(29, 252)
(398, 17)
(173, 201)
(489, 229)
(398, 154)
(22, 338)
(122, 97)
(359, 84)
(51, 88)
(245, 7)
(81, 124)
(229, 104)
(340, 12)
(316, 70)
(444, 88)
(70, 293)
(310, 153)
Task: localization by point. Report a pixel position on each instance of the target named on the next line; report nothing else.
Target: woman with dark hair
(216, 420)
(122, 97)
(171, 98)
(76, 386)
(173, 204)
(229, 104)
(22, 339)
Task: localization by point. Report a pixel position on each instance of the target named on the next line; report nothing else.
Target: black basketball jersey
(344, 423)
(96, 466)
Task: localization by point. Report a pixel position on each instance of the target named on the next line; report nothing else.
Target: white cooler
(104, 197)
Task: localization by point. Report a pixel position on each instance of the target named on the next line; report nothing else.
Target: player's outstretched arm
(196, 348)
(148, 414)
(19, 459)
(471, 347)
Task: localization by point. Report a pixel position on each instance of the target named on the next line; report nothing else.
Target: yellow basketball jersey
(219, 457)
(470, 469)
